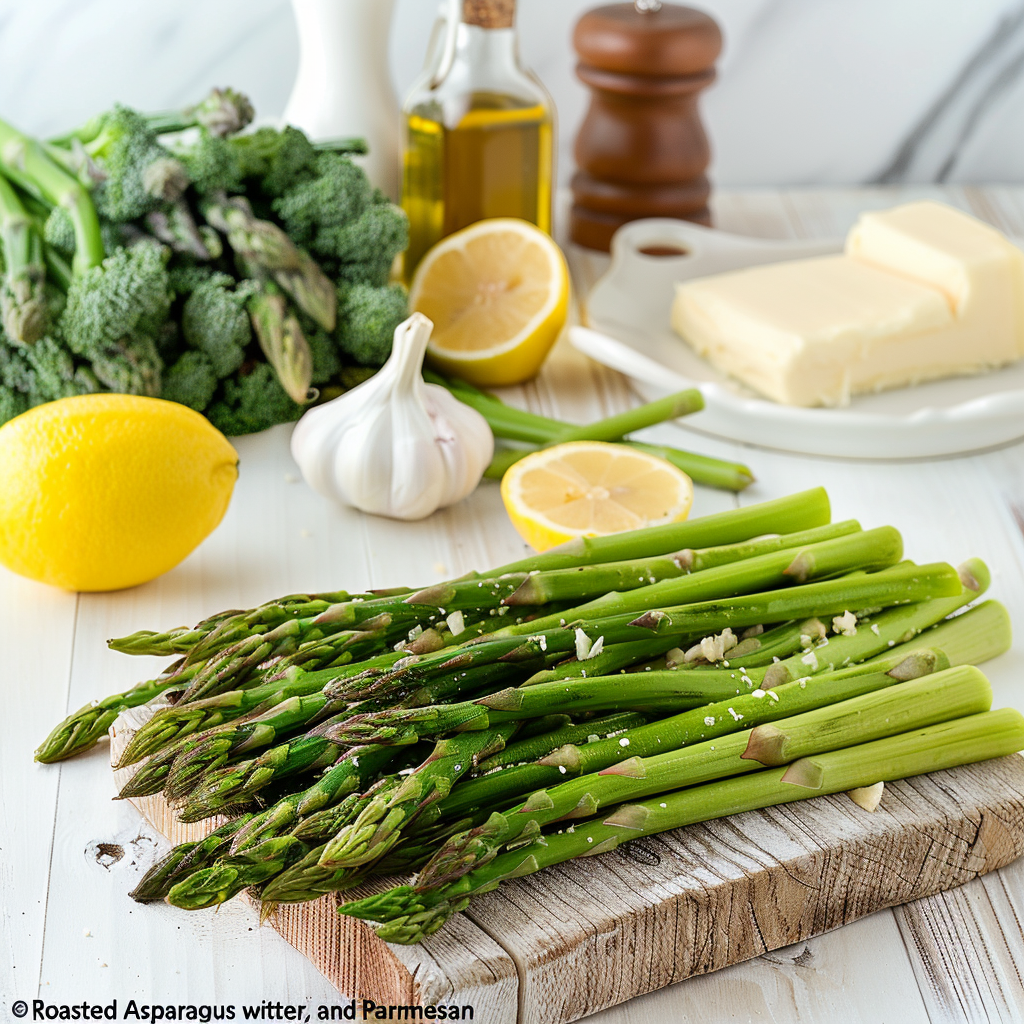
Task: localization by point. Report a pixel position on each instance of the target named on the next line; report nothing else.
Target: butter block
(922, 291)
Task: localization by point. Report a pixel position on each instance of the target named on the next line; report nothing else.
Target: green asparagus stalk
(519, 425)
(953, 693)
(88, 724)
(612, 658)
(396, 803)
(272, 613)
(184, 859)
(905, 584)
(529, 749)
(802, 511)
(22, 302)
(24, 161)
(868, 549)
(236, 739)
(969, 639)
(412, 916)
(179, 720)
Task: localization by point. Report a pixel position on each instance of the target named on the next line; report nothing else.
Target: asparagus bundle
(442, 729)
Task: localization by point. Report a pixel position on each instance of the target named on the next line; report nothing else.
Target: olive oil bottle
(478, 132)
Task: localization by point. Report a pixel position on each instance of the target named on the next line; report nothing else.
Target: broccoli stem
(22, 304)
(25, 162)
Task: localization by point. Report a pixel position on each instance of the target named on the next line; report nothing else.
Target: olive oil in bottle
(478, 134)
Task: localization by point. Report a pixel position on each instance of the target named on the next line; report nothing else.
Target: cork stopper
(489, 13)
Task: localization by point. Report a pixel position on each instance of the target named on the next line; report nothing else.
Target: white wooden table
(69, 854)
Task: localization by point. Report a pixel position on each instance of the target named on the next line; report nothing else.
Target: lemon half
(107, 491)
(498, 294)
(588, 489)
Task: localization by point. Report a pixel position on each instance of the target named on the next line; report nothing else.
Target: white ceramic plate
(628, 313)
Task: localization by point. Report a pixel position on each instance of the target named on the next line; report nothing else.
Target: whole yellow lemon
(100, 492)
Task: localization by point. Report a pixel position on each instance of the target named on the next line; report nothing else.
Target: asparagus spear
(235, 739)
(869, 549)
(184, 859)
(260, 861)
(528, 749)
(179, 720)
(88, 724)
(969, 639)
(412, 916)
(953, 693)
(22, 302)
(397, 802)
(519, 425)
(904, 584)
(802, 511)
(272, 613)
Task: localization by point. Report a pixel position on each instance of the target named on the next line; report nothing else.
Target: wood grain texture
(592, 933)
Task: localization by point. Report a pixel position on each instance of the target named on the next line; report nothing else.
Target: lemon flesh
(498, 294)
(589, 489)
(108, 491)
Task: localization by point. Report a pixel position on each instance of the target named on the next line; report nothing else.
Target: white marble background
(809, 91)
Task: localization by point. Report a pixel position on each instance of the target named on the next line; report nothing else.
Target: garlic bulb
(395, 445)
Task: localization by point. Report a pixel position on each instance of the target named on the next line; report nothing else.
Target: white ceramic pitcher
(343, 86)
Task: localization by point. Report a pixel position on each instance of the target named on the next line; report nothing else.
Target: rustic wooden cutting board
(588, 934)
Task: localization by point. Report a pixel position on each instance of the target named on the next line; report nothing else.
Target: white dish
(629, 330)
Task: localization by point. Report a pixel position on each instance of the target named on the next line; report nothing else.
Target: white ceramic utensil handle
(612, 353)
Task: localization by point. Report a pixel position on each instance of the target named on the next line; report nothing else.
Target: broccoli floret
(186, 279)
(190, 381)
(139, 173)
(252, 402)
(56, 375)
(212, 164)
(349, 226)
(59, 231)
(326, 360)
(12, 403)
(314, 211)
(279, 160)
(16, 372)
(366, 248)
(114, 316)
(367, 318)
(215, 321)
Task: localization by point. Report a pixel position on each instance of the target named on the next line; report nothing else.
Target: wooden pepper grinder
(641, 150)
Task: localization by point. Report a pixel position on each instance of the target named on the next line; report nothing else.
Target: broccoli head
(55, 373)
(212, 164)
(186, 278)
(314, 211)
(366, 248)
(190, 381)
(16, 371)
(12, 403)
(138, 173)
(278, 160)
(252, 402)
(367, 318)
(215, 322)
(115, 314)
(59, 231)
